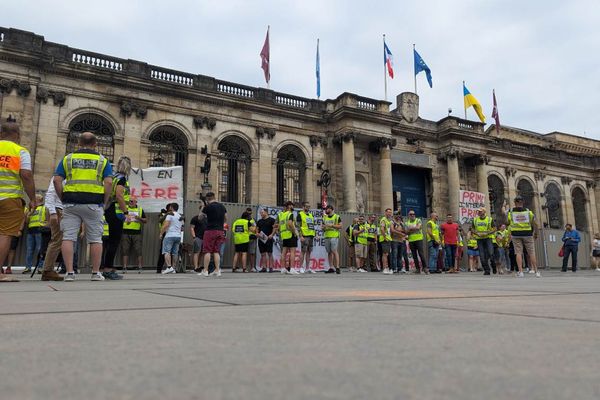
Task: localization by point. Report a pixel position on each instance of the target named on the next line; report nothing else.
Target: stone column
(482, 182)
(453, 182)
(511, 185)
(385, 173)
(593, 212)
(568, 212)
(349, 171)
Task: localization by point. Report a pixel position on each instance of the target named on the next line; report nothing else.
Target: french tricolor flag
(388, 60)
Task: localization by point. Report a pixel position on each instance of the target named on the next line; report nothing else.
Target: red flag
(495, 114)
(265, 56)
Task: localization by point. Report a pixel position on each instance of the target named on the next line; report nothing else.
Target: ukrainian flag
(470, 100)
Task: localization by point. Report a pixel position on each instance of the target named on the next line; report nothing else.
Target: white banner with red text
(156, 186)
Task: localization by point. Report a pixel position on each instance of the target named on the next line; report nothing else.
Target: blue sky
(542, 58)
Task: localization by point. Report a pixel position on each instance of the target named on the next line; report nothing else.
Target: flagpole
(384, 71)
(319, 77)
(464, 99)
(269, 36)
(415, 72)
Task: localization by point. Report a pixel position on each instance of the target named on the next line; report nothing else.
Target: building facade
(267, 147)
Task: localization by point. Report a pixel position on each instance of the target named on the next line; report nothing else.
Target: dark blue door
(410, 182)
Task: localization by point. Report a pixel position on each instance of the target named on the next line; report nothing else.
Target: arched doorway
(553, 206)
(525, 190)
(496, 196)
(99, 126)
(168, 147)
(579, 207)
(234, 170)
(291, 165)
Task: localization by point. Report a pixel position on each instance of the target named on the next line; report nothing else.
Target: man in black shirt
(197, 228)
(214, 236)
(266, 229)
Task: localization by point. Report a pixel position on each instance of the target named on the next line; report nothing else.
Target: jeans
(572, 250)
(486, 253)
(416, 249)
(433, 255)
(450, 251)
(34, 244)
(115, 230)
(504, 257)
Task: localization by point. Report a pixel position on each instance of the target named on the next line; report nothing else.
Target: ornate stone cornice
(590, 184)
(539, 175)
(58, 97)
(262, 132)
(130, 107)
(510, 171)
(318, 140)
(201, 122)
(7, 86)
(566, 180)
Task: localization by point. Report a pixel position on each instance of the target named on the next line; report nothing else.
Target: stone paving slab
(349, 337)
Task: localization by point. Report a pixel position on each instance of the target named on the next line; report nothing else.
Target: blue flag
(421, 66)
(318, 72)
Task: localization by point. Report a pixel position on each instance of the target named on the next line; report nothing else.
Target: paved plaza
(267, 336)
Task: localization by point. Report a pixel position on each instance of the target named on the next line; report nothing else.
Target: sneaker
(270, 270)
(26, 271)
(403, 271)
(203, 273)
(311, 271)
(169, 270)
(520, 275)
(598, 269)
(387, 271)
(330, 271)
(140, 270)
(337, 271)
(124, 270)
(216, 273)
(538, 274)
(294, 272)
(531, 271)
(302, 270)
(284, 271)
(51, 276)
(362, 270)
(95, 277)
(112, 276)
(7, 271)
(70, 277)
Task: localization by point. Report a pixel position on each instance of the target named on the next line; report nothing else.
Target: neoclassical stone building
(268, 147)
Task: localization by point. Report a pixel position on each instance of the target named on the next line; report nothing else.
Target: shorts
(307, 244)
(212, 241)
(291, 242)
(523, 241)
(252, 246)
(386, 247)
(171, 245)
(197, 248)
(595, 253)
(266, 247)
(11, 216)
(129, 242)
(89, 214)
(14, 242)
(242, 247)
(361, 250)
(331, 244)
(472, 253)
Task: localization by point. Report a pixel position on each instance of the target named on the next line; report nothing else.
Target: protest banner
(156, 186)
(468, 204)
(318, 256)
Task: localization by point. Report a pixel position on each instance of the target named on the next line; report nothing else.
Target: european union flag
(421, 66)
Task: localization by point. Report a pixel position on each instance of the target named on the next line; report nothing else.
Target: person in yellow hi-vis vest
(433, 242)
(288, 234)
(16, 179)
(132, 234)
(332, 223)
(385, 240)
(414, 228)
(36, 220)
(483, 228)
(306, 221)
(242, 229)
(361, 244)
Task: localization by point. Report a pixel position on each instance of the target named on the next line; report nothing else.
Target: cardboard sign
(156, 186)
(468, 204)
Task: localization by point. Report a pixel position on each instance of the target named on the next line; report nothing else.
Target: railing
(97, 60)
(465, 125)
(236, 90)
(366, 104)
(291, 101)
(167, 75)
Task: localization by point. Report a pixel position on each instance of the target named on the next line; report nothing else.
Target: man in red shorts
(214, 236)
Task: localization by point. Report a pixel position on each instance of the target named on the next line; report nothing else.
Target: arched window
(579, 206)
(168, 147)
(496, 188)
(552, 206)
(99, 126)
(291, 165)
(525, 190)
(234, 170)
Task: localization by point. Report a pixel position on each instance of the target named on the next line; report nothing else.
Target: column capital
(349, 136)
(481, 159)
(382, 143)
(539, 175)
(591, 184)
(317, 140)
(566, 180)
(451, 152)
(262, 132)
(510, 171)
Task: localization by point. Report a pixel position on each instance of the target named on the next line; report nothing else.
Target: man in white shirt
(54, 206)
(172, 228)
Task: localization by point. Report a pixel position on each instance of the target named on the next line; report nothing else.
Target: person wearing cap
(288, 233)
(332, 223)
(414, 228)
(523, 231)
(371, 262)
(361, 244)
(483, 229)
